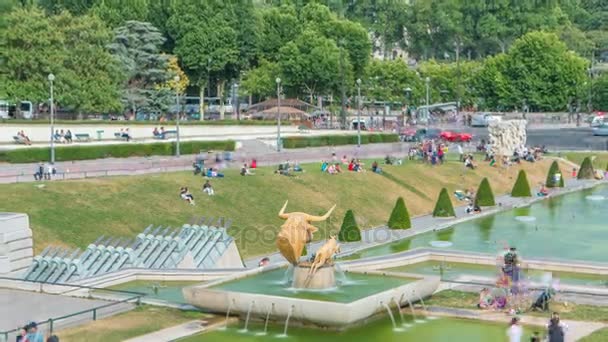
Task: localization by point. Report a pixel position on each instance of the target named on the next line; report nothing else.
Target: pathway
(183, 330)
(576, 329)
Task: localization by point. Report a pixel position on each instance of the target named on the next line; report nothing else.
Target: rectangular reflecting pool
(436, 330)
(453, 270)
(168, 291)
(352, 286)
(572, 226)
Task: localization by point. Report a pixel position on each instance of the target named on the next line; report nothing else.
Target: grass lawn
(599, 162)
(140, 321)
(598, 336)
(469, 300)
(74, 213)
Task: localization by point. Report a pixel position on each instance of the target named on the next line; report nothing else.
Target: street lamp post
(408, 92)
(176, 79)
(51, 78)
(358, 112)
(427, 81)
(278, 81)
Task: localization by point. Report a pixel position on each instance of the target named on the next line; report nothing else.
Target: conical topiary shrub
(400, 217)
(349, 231)
(555, 178)
(586, 170)
(484, 196)
(521, 187)
(304, 251)
(443, 207)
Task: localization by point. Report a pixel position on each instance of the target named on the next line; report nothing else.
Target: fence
(124, 301)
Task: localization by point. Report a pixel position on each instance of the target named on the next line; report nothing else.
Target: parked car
(483, 119)
(601, 130)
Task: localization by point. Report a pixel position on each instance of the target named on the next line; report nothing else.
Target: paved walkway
(422, 224)
(183, 330)
(576, 329)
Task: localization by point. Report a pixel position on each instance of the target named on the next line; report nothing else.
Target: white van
(483, 119)
(4, 109)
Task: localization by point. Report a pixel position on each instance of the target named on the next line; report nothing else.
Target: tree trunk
(201, 105)
(220, 94)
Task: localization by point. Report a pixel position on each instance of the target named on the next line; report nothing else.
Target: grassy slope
(469, 300)
(142, 320)
(599, 162)
(75, 213)
(598, 336)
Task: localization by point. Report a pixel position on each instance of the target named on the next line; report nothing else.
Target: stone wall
(16, 245)
(507, 136)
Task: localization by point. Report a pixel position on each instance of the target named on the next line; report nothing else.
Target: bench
(18, 140)
(165, 135)
(83, 137)
(303, 129)
(121, 136)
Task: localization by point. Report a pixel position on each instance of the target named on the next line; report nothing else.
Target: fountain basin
(320, 312)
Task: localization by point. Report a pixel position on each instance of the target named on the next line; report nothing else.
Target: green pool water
(565, 227)
(351, 287)
(453, 270)
(169, 291)
(437, 330)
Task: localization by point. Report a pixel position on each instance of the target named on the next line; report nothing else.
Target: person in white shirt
(515, 330)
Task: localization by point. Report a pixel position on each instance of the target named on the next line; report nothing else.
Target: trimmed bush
(521, 188)
(400, 217)
(82, 152)
(349, 231)
(336, 140)
(444, 207)
(555, 178)
(484, 196)
(304, 251)
(586, 170)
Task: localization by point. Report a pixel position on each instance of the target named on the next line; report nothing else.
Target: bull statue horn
(282, 212)
(312, 218)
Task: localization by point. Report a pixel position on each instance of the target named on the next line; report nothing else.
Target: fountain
(287, 322)
(267, 318)
(399, 310)
(390, 314)
(312, 291)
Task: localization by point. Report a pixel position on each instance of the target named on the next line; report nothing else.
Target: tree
(400, 217)
(72, 48)
(586, 170)
(444, 207)
(349, 231)
(311, 63)
(600, 92)
(173, 69)
(555, 178)
(521, 188)
(117, 12)
(484, 196)
(280, 25)
(387, 81)
(136, 46)
(261, 80)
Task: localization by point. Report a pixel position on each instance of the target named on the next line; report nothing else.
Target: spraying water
(422, 302)
(248, 315)
(267, 317)
(409, 302)
(228, 314)
(399, 309)
(287, 322)
(390, 314)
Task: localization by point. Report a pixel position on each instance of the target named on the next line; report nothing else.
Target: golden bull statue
(296, 232)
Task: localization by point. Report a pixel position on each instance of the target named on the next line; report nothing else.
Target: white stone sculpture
(506, 137)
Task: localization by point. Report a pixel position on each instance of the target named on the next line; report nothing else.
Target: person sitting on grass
(485, 299)
(324, 166)
(351, 165)
(344, 160)
(254, 164)
(245, 171)
(338, 168)
(376, 168)
(297, 167)
(213, 173)
(186, 195)
(207, 188)
(331, 169)
(468, 162)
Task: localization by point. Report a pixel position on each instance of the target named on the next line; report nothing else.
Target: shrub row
(335, 140)
(80, 152)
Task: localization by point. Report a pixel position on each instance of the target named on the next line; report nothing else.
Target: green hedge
(83, 152)
(521, 188)
(485, 196)
(400, 217)
(586, 170)
(444, 207)
(554, 170)
(349, 231)
(335, 140)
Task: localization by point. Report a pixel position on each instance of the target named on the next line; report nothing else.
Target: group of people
(30, 333)
(63, 137)
(186, 195)
(23, 138)
(44, 171)
(555, 330)
(125, 134)
(159, 133)
(288, 168)
(429, 152)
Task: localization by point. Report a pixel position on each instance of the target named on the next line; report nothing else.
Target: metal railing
(91, 313)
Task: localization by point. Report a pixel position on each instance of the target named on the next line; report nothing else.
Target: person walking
(515, 330)
(556, 330)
